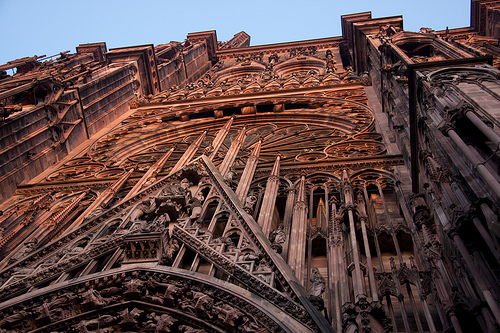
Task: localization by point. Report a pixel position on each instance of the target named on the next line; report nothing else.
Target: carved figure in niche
(263, 265)
(387, 30)
(186, 303)
(347, 193)
(318, 286)
(161, 223)
(251, 327)
(229, 179)
(169, 251)
(133, 286)
(194, 205)
(229, 245)
(130, 317)
(248, 257)
(29, 247)
(172, 292)
(244, 259)
(159, 323)
(189, 329)
(13, 318)
(54, 310)
(145, 207)
(366, 80)
(229, 316)
(94, 298)
(273, 58)
(111, 293)
(203, 304)
(158, 224)
(249, 203)
(101, 324)
(278, 238)
(181, 189)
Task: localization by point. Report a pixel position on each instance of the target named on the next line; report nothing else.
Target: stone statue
(189, 329)
(195, 205)
(145, 207)
(278, 238)
(176, 190)
(102, 324)
(248, 257)
(29, 247)
(160, 323)
(130, 318)
(169, 250)
(249, 203)
(318, 286)
(133, 287)
(94, 298)
(229, 179)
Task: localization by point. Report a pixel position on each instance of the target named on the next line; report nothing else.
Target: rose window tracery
(309, 129)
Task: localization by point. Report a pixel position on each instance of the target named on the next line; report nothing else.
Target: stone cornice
(321, 43)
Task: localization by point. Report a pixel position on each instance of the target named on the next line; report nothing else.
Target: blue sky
(48, 27)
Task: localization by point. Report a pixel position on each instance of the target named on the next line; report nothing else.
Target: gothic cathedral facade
(344, 184)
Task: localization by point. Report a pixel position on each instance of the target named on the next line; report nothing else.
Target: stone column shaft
(219, 137)
(485, 174)
(481, 284)
(357, 276)
(231, 154)
(391, 311)
(485, 129)
(287, 220)
(102, 200)
(414, 308)
(152, 172)
(269, 200)
(371, 274)
(297, 249)
(394, 238)
(428, 316)
(455, 323)
(248, 172)
(404, 315)
(189, 153)
(486, 237)
(333, 288)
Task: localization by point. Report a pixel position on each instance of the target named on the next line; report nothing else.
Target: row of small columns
(338, 284)
(443, 281)
(488, 178)
(492, 183)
